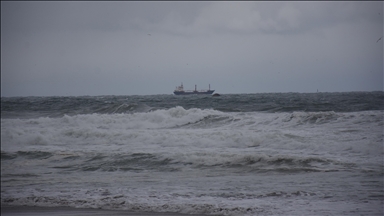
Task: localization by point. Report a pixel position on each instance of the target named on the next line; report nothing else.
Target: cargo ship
(180, 91)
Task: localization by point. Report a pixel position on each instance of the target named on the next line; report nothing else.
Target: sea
(236, 154)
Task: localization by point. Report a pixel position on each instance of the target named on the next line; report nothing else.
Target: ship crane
(180, 90)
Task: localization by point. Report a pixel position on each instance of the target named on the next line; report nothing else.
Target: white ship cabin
(180, 88)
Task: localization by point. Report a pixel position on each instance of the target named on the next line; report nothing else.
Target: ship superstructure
(180, 90)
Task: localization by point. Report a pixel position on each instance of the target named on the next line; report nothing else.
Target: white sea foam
(270, 133)
(194, 161)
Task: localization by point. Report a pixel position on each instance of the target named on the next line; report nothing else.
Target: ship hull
(193, 92)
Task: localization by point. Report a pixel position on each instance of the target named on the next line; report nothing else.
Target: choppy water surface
(245, 154)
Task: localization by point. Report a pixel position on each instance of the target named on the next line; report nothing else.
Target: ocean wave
(196, 128)
(232, 155)
(175, 138)
(122, 108)
(123, 203)
(175, 162)
(235, 203)
(312, 117)
(263, 163)
(161, 118)
(56, 107)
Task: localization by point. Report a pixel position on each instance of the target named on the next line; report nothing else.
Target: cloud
(228, 16)
(56, 47)
(186, 18)
(270, 17)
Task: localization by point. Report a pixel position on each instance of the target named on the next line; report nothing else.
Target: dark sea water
(237, 154)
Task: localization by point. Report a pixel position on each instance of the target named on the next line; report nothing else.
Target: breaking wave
(175, 162)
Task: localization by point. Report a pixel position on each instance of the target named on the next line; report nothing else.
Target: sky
(75, 48)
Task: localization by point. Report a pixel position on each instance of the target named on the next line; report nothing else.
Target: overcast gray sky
(141, 48)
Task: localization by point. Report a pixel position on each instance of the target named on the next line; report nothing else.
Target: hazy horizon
(149, 48)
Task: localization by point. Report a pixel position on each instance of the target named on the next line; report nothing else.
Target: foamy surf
(192, 160)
